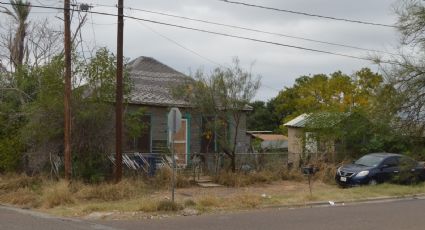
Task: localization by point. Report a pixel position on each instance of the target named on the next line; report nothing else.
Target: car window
(390, 162)
(369, 160)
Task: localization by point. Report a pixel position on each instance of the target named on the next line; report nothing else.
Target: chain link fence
(213, 163)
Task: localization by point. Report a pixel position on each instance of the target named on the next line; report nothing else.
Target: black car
(377, 168)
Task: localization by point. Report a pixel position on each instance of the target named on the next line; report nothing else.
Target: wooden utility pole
(119, 94)
(67, 96)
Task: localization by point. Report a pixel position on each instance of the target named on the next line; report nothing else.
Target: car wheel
(373, 182)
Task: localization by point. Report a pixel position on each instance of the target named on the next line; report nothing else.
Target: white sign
(174, 120)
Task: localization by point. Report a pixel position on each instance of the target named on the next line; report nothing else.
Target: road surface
(397, 215)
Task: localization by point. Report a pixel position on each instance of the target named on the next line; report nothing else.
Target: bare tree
(20, 11)
(408, 72)
(44, 41)
(222, 99)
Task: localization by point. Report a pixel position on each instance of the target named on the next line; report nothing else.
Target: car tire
(372, 182)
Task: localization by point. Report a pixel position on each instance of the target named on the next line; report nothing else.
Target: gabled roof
(298, 122)
(326, 119)
(153, 83)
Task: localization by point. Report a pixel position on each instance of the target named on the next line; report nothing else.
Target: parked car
(377, 168)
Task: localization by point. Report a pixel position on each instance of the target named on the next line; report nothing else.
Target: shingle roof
(153, 83)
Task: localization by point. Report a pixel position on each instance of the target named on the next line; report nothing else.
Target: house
(324, 135)
(269, 141)
(153, 83)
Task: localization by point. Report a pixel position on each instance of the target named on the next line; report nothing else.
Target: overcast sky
(278, 66)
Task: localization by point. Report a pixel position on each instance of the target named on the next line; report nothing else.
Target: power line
(194, 52)
(307, 14)
(180, 45)
(252, 29)
(216, 33)
(242, 37)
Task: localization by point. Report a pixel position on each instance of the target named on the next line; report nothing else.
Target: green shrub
(169, 206)
(10, 154)
(189, 203)
(92, 168)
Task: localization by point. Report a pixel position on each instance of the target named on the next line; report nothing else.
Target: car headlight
(362, 173)
(339, 170)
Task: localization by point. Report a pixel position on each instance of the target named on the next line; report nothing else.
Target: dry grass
(292, 175)
(57, 194)
(245, 191)
(126, 189)
(149, 206)
(248, 201)
(22, 197)
(163, 178)
(209, 201)
(13, 182)
(245, 179)
(326, 173)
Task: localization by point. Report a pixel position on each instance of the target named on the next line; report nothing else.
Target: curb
(420, 196)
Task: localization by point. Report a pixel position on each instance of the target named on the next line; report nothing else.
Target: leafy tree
(261, 117)
(11, 121)
(353, 134)
(39, 121)
(336, 92)
(222, 99)
(359, 112)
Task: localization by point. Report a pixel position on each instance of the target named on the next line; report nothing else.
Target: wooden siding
(159, 134)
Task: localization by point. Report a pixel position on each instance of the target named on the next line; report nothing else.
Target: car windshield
(369, 160)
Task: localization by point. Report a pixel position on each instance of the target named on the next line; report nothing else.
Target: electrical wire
(216, 33)
(194, 52)
(307, 14)
(251, 29)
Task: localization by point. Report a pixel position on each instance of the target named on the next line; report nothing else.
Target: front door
(180, 144)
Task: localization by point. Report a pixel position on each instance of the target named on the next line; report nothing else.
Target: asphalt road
(17, 219)
(397, 215)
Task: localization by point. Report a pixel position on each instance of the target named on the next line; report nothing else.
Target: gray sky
(278, 66)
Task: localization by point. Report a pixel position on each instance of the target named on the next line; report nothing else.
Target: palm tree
(20, 11)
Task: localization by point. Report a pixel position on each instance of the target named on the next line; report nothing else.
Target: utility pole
(67, 96)
(119, 94)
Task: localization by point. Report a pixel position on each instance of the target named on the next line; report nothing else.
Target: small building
(325, 136)
(269, 142)
(296, 138)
